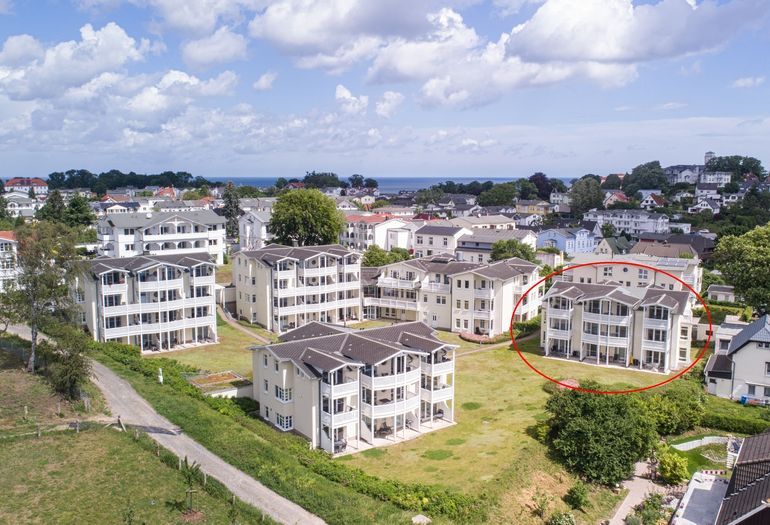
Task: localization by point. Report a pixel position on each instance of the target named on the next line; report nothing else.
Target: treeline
(318, 180)
(109, 180)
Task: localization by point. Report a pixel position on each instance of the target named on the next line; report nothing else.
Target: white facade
(744, 370)
(132, 234)
(363, 231)
(630, 221)
(154, 303)
(9, 248)
(252, 230)
(720, 178)
(436, 238)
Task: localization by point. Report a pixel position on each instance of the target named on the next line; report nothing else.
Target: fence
(708, 440)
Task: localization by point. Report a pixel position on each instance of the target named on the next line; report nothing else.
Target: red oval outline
(611, 392)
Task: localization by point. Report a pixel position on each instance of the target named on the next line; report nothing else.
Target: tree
(731, 187)
(577, 496)
(672, 467)
(231, 209)
(307, 218)
(738, 165)
(600, 436)
(650, 511)
(79, 213)
(371, 183)
(585, 195)
(743, 263)
(505, 249)
(543, 185)
(31, 193)
(47, 266)
(499, 195)
(608, 230)
(53, 209)
(525, 189)
(281, 183)
(321, 180)
(612, 182)
(376, 256)
(708, 279)
(4, 215)
(190, 472)
(356, 181)
(429, 196)
(648, 176)
(66, 364)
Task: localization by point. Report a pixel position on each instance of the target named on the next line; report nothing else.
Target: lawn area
(90, 477)
(231, 353)
(707, 457)
(262, 332)
(372, 323)
(225, 274)
(489, 449)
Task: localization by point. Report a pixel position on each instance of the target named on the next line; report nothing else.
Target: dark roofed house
(747, 501)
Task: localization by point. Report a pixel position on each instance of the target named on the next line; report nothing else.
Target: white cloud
(69, 64)
(512, 7)
(669, 106)
(350, 104)
(221, 47)
(265, 81)
(391, 100)
(20, 49)
(748, 82)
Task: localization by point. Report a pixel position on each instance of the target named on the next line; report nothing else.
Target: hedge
(484, 339)
(739, 425)
(406, 496)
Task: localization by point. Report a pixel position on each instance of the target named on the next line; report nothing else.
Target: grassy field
(499, 399)
(90, 478)
(708, 457)
(225, 274)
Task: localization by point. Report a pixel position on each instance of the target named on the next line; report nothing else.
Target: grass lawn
(90, 478)
(225, 274)
(707, 457)
(262, 332)
(489, 449)
(231, 353)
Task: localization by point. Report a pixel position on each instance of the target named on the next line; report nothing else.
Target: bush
(484, 339)
(561, 518)
(527, 327)
(650, 511)
(730, 423)
(678, 407)
(577, 496)
(672, 467)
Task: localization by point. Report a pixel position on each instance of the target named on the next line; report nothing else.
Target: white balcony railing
(390, 282)
(391, 303)
(160, 285)
(437, 369)
(559, 334)
(658, 346)
(445, 393)
(341, 390)
(341, 418)
(434, 287)
(655, 323)
(558, 313)
(391, 381)
(393, 408)
(483, 293)
(618, 320)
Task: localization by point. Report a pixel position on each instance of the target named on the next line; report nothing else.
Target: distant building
(9, 249)
(721, 292)
(720, 178)
(652, 201)
(489, 222)
(438, 237)
(252, 229)
(632, 222)
(24, 184)
(571, 241)
(477, 246)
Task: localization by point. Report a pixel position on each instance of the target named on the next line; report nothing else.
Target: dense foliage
(505, 249)
(307, 218)
(112, 179)
(743, 262)
(739, 166)
(585, 195)
(376, 256)
(648, 176)
(672, 468)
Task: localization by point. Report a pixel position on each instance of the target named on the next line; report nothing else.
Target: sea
(386, 184)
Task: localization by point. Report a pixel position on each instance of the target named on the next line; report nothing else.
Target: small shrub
(541, 502)
(577, 496)
(672, 467)
(561, 518)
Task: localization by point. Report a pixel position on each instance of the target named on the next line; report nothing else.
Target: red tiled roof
(7, 235)
(26, 181)
(169, 192)
(369, 218)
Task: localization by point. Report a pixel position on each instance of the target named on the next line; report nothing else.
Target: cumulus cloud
(350, 104)
(220, 47)
(748, 82)
(265, 81)
(391, 100)
(20, 49)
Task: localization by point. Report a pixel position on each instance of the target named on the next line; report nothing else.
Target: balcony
(316, 272)
(435, 287)
(618, 320)
(344, 417)
(483, 314)
(392, 303)
(438, 394)
(559, 313)
(160, 285)
(403, 284)
(113, 288)
(284, 274)
(559, 334)
(605, 340)
(391, 408)
(656, 323)
(391, 381)
(657, 346)
(437, 369)
(341, 390)
(483, 293)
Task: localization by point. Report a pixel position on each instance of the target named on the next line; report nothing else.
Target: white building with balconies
(155, 233)
(152, 302)
(9, 249)
(350, 390)
(282, 288)
(608, 324)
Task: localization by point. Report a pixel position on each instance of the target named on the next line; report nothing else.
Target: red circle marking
(604, 263)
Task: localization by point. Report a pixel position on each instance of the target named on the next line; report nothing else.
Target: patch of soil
(192, 516)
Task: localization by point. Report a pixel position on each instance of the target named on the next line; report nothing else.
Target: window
(763, 344)
(424, 298)
(283, 394)
(466, 304)
(467, 284)
(767, 369)
(457, 323)
(643, 274)
(284, 422)
(656, 335)
(459, 283)
(267, 386)
(458, 303)
(253, 298)
(465, 324)
(419, 239)
(685, 332)
(446, 241)
(253, 281)
(752, 390)
(607, 271)
(264, 360)
(112, 322)
(275, 363)
(657, 312)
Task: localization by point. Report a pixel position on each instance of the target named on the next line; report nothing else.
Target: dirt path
(235, 324)
(638, 488)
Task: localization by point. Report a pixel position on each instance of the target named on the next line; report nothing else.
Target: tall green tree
(505, 249)
(585, 195)
(612, 182)
(231, 209)
(53, 209)
(743, 262)
(356, 181)
(543, 185)
(47, 264)
(499, 195)
(371, 183)
(608, 230)
(307, 218)
(648, 176)
(376, 256)
(79, 213)
(429, 196)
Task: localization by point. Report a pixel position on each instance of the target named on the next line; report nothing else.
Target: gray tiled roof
(749, 486)
(310, 330)
(144, 220)
(721, 288)
(758, 331)
(276, 252)
(447, 229)
(132, 264)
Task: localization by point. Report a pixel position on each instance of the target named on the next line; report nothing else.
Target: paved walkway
(235, 324)
(638, 488)
(133, 410)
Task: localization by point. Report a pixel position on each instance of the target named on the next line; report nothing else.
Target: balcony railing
(659, 346)
(340, 390)
(655, 323)
(436, 369)
(483, 293)
(391, 381)
(392, 303)
(559, 313)
(391, 282)
(438, 393)
(435, 287)
(620, 320)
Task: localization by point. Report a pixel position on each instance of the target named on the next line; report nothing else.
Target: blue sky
(495, 88)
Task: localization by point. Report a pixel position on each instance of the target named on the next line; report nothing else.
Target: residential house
(745, 369)
(437, 237)
(547, 258)
(344, 204)
(571, 241)
(720, 178)
(477, 246)
(20, 205)
(665, 249)
(613, 245)
(351, 390)
(748, 492)
(24, 184)
(632, 222)
(163, 302)
(651, 201)
(721, 292)
(682, 195)
(9, 250)
(364, 200)
(707, 205)
(683, 173)
(611, 324)
(366, 230)
(395, 211)
(488, 222)
(707, 191)
(528, 220)
(252, 230)
(132, 234)
(282, 287)
(452, 200)
(537, 207)
(257, 204)
(168, 192)
(558, 197)
(613, 197)
(102, 209)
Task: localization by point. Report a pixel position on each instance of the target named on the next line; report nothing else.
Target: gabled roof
(8, 235)
(719, 366)
(447, 229)
(26, 181)
(758, 331)
(145, 220)
(311, 330)
(276, 252)
(749, 487)
(141, 262)
(721, 288)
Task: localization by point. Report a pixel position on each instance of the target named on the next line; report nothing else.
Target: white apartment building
(477, 247)
(448, 294)
(9, 249)
(163, 302)
(154, 233)
(630, 221)
(282, 288)
(346, 390)
(438, 237)
(486, 222)
(252, 230)
(630, 276)
(363, 231)
(720, 178)
(608, 324)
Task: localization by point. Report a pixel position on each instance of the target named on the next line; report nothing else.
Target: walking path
(638, 489)
(133, 410)
(235, 324)
(486, 348)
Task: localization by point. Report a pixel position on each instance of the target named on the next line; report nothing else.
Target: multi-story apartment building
(252, 229)
(477, 247)
(24, 184)
(363, 231)
(437, 237)
(162, 302)
(720, 178)
(283, 287)
(9, 249)
(485, 222)
(609, 324)
(453, 295)
(571, 241)
(630, 221)
(346, 389)
(152, 233)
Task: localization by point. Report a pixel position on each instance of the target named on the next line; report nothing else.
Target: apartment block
(364, 231)
(156, 233)
(448, 294)
(477, 247)
(438, 237)
(631, 222)
(252, 229)
(609, 324)
(355, 389)
(282, 288)
(9, 249)
(163, 302)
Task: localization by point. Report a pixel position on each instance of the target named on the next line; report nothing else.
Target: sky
(434, 88)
